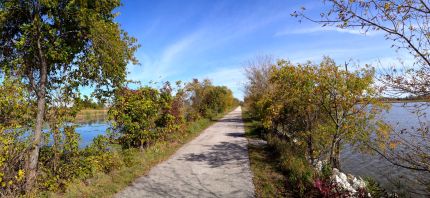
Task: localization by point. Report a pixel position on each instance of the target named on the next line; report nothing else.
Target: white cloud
(166, 64)
(317, 29)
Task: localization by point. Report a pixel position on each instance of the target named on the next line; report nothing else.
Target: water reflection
(391, 177)
(90, 128)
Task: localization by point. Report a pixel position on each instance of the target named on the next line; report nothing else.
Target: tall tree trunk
(41, 103)
(337, 155)
(333, 153)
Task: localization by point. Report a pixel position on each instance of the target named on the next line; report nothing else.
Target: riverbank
(279, 170)
(268, 178)
(107, 184)
(88, 115)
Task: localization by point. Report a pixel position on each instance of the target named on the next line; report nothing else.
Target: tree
(62, 45)
(295, 106)
(350, 101)
(406, 24)
(318, 108)
(208, 100)
(257, 71)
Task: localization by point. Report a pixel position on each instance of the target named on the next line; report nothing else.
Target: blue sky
(213, 39)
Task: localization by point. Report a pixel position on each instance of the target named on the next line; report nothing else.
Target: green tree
(406, 24)
(319, 107)
(350, 101)
(61, 45)
(294, 104)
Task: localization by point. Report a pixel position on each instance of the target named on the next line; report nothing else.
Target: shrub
(58, 168)
(299, 172)
(207, 100)
(134, 113)
(15, 113)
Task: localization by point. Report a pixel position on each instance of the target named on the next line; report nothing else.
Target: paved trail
(215, 164)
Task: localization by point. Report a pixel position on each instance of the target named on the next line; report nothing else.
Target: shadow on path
(236, 120)
(221, 154)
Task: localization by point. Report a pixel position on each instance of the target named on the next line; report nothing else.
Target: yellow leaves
(393, 144)
(399, 9)
(383, 130)
(20, 175)
(387, 6)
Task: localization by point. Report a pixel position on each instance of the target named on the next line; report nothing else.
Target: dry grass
(87, 115)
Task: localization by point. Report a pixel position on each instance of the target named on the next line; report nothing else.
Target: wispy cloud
(317, 29)
(232, 77)
(165, 65)
(176, 58)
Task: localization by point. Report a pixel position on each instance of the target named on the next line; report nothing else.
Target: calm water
(88, 131)
(391, 177)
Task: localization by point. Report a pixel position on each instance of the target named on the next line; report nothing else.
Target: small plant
(375, 189)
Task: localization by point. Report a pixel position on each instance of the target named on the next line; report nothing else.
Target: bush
(375, 189)
(15, 118)
(58, 168)
(134, 115)
(299, 172)
(207, 100)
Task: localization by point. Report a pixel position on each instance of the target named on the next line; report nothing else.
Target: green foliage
(88, 103)
(135, 113)
(299, 172)
(60, 168)
(78, 40)
(375, 189)
(310, 111)
(53, 48)
(207, 100)
(146, 115)
(319, 107)
(326, 171)
(14, 121)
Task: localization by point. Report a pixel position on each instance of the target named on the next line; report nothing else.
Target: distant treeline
(88, 103)
(406, 99)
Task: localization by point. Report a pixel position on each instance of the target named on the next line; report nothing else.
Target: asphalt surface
(215, 164)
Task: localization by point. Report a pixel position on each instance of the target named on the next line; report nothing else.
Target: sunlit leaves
(323, 106)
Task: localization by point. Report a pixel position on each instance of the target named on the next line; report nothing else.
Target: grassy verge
(106, 185)
(269, 181)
